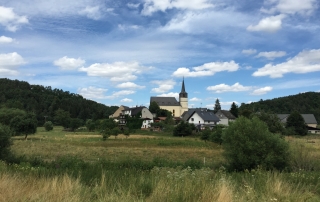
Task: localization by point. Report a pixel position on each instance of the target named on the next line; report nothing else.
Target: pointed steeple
(183, 93)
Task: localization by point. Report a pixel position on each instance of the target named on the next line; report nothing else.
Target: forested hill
(44, 101)
(304, 103)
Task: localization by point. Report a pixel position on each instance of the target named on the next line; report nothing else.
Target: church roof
(165, 101)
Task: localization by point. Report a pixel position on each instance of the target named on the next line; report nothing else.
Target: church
(171, 104)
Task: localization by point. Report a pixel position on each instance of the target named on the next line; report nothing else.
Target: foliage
(273, 122)
(115, 132)
(62, 118)
(106, 124)
(304, 103)
(24, 125)
(90, 124)
(217, 106)
(75, 123)
(183, 129)
(48, 125)
(106, 133)
(45, 101)
(216, 135)
(246, 113)
(296, 122)
(154, 107)
(234, 109)
(249, 144)
(134, 123)
(126, 132)
(5, 141)
(205, 134)
(6, 114)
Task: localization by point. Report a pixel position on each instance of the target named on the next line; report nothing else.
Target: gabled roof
(165, 101)
(228, 114)
(187, 114)
(134, 110)
(205, 115)
(308, 118)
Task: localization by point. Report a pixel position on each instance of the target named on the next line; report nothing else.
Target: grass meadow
(148, 166)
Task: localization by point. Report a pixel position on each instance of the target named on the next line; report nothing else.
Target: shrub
(48, 125)
(216, 135)
(248, 144)
(183, 129)
(205, 134)
(5, 141)
(296, 121)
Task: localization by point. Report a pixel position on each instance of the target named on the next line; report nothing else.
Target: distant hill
(44, 101)
(304, 103)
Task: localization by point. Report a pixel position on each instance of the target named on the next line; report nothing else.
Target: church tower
(183, 98)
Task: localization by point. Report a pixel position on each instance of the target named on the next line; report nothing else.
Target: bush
(216, 135)
(5, 141)
(296, 122)
(248, 144)
(183, 129)
(205, 134)
(48, 125)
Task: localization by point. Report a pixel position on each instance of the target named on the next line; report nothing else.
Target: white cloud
(249, 51)
(171, 94)
(262, 91)
(120, 93)
(92, 12)
(4, 39)
(11, 20)
(129, 85)
(272, 54)
(208, 69)
(9, 63)
(133, 6)
(66, 63)
(92, 92)
(269, 24)
(305, 62)
(195, 99)
(126, 100)
(151, 6)
(290, 7)
(221, 88)
(164, 86)
(118, 71)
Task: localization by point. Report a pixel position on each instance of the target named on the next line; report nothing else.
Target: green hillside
(304, 103)
(44, 101)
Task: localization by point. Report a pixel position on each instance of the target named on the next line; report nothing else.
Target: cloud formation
(93, 92)
(305, 62)
(118, 71)
(151, 6)
(171, 94)
(262, 91)
(221, 88)
(290, 7)
(249, 51)
(92, 12)
(195, 99)
(127, 100)
(164, 86)
(10, 20)
(130, 85)
(4, 39)
(208, 69)
(9, 63)
(269, 24)
(272, 54)
(66, 63)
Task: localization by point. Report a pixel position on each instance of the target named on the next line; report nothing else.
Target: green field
(148, 166)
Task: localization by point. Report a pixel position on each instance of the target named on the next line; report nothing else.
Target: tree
(90, 125)
(217, 106)
(246, 113)
(5, 141)
(296, 122)
(183, 129)
(24, 125)
(234, 109)
(75, 123)
(48, 125)
(248, 144)
(205, 134)
(115, 131)
(216, 135)
(6, 114)
(154, 107)
(106, 133)
(272, 121)
(126, 132)
(62, 118)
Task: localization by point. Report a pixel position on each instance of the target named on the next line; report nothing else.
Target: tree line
(44, 102)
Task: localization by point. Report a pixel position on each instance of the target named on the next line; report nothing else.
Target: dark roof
(205, 115)
(308, 118)
(228, 114)
(185, 115)
(135, 110)
(165, 101)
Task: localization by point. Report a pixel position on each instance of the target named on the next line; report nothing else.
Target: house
(171, 104)
(146, 124)
(225, 117)
(147, 117)
(309, 120)
(134, 111)
(145, 113)
(203, 119)
(186, 114)
(117, 113)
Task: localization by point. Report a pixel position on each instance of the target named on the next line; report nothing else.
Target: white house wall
(146, 124)
(224, 122)
(196, 119)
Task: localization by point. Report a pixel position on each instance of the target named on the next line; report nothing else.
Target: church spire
(183, 90)
(183, 93)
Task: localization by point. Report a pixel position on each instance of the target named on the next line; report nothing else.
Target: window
(192, 119)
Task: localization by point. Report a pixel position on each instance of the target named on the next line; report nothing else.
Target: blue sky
(123, 52)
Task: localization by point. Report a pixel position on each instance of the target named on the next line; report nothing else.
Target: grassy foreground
(61, 166)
